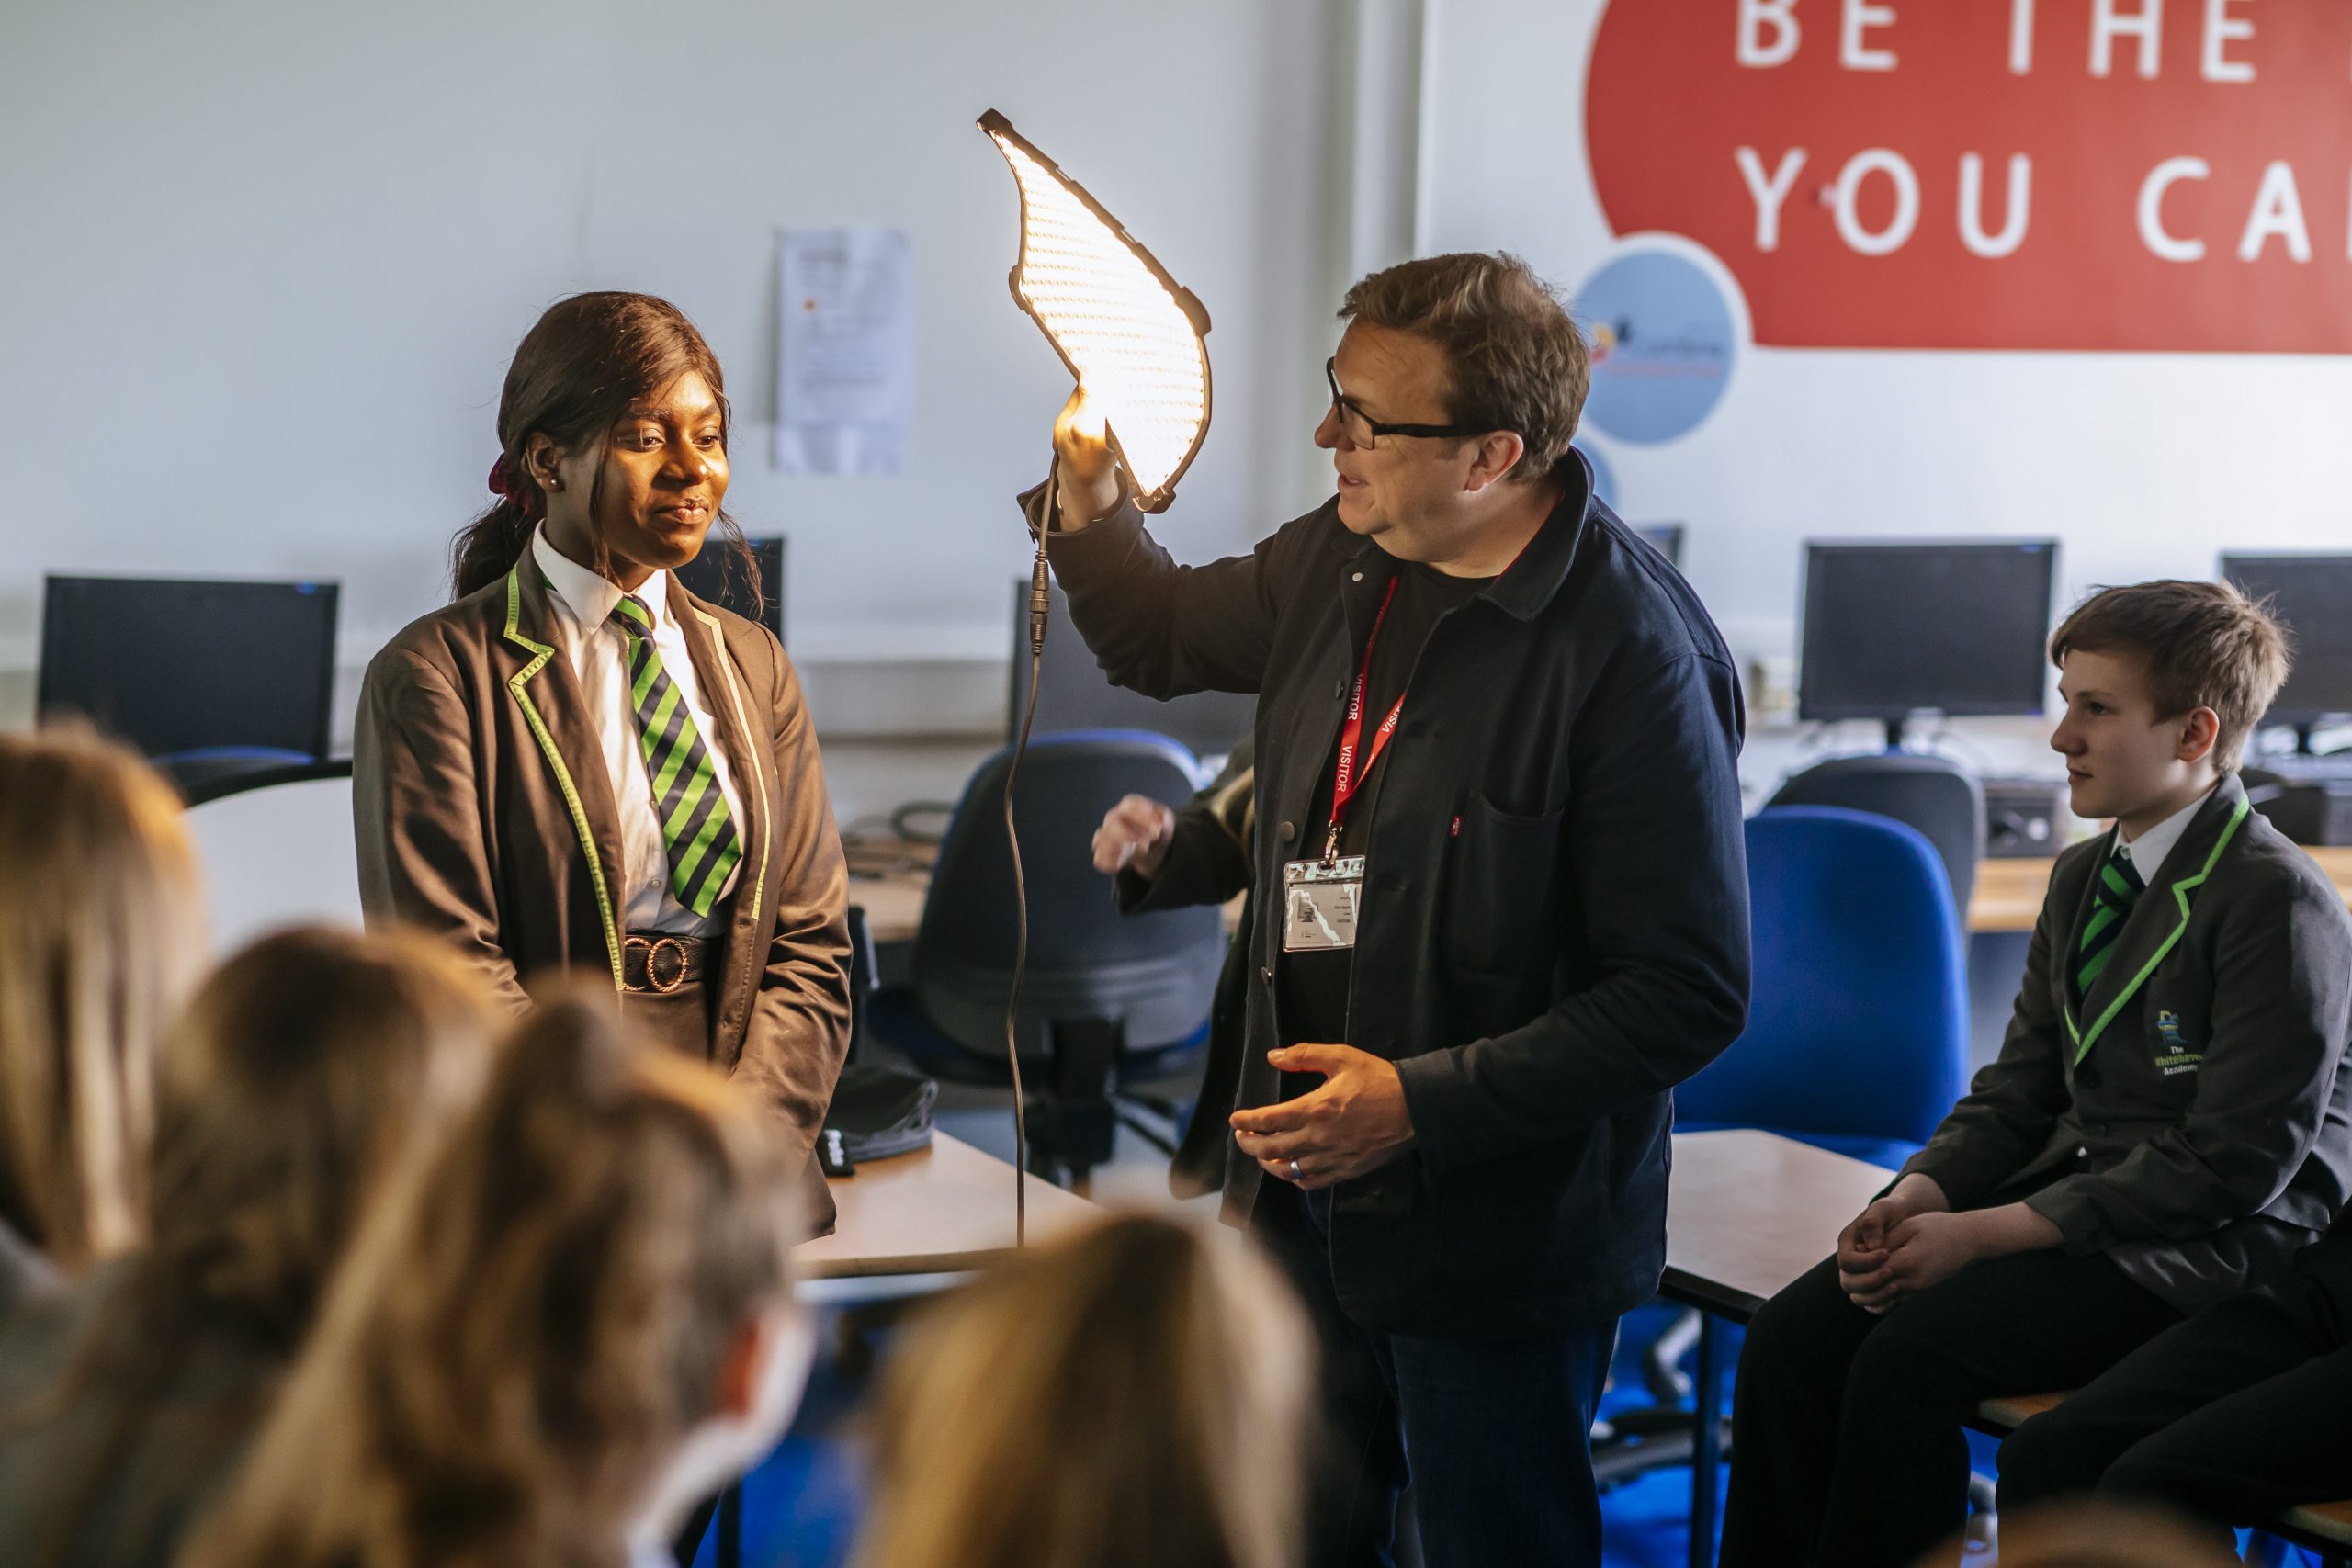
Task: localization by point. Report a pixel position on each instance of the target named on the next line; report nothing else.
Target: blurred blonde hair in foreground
(101, 938)
(2094, 1535)
(1134, 1394)
(532, 1324)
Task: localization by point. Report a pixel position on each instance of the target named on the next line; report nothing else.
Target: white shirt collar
(589, 596)
(2147, 852)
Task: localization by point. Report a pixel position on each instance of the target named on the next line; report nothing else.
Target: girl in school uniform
(570, 1321)
(580, 765)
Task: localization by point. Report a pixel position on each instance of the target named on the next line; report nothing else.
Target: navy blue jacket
(1555, 927)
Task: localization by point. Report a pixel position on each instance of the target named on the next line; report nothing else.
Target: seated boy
(2232, 1417)
(2163, 1128)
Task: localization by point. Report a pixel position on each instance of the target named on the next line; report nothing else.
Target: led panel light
(1130, 334)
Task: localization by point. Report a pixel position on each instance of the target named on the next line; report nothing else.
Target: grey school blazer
(2186, 1117)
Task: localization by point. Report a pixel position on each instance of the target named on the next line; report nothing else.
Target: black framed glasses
(1362, 430)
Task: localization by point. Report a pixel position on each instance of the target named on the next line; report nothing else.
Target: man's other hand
(1133, 837)
(1356, 1121)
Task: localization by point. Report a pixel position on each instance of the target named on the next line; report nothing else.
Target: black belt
(655, 963)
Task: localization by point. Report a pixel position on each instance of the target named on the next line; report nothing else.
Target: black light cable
(1040, 608)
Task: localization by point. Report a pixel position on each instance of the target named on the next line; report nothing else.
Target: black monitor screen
(1892, 630)
(1073, 692)
(175, 667)
(1666, 538)
(717, 577)
(2313, 595)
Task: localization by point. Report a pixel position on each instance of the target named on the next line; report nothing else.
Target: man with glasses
(1503, 901)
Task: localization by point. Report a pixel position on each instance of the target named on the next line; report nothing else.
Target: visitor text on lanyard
(1350, 776)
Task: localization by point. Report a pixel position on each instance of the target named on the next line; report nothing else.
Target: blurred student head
(558, 1332)
(2095, 1535)
(304, 1071)
(1130, 1397)
(101, 936)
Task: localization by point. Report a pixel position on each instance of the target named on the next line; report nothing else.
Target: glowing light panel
(1127, 332)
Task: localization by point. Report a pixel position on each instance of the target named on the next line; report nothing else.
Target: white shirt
(598, 653)
(2147, 852)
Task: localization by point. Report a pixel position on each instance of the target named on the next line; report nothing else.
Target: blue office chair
(1106, 997)
(1857, 1037)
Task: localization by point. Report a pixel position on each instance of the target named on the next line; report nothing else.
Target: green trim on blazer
(2180, 891)
(541, 653)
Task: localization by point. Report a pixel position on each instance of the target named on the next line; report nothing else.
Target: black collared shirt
(1313, 986)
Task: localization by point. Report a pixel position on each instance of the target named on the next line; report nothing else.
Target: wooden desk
(943, 1208)
(1748, 1212)
(2008, 892)
(892, 901)
(1745, 1213)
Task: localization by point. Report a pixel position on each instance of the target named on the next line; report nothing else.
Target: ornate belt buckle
(653, 949)
(653, 964)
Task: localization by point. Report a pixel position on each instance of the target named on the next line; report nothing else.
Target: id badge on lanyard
(1322, 899)
(1319, 903)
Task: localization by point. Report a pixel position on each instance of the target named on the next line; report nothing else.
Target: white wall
(2143, 465)
(265, 262)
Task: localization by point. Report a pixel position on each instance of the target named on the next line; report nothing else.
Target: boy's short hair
(2205, 645)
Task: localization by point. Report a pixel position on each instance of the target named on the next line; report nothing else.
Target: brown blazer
(485, 815)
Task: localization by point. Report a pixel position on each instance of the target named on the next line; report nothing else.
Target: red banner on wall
(2102, 174)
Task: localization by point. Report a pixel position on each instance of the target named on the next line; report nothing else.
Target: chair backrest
(1858, 1007)
(1938, 797)
(278, 854)
(1155, 973)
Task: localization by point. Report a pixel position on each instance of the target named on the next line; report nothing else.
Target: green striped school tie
(2118, 889)
(696, 826)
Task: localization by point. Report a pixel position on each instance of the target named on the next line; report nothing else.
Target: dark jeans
(1494, 1435)
(2236, 1414)
(1846, 1442)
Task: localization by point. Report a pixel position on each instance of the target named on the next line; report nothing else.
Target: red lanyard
(1350, 778)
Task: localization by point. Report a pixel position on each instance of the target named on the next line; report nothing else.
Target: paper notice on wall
(845, 352)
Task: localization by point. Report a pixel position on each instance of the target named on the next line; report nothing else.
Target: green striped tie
(696, 826)
(2118, 889)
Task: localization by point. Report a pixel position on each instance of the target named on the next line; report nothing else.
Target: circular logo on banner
(1604, 478)
(1662, 344)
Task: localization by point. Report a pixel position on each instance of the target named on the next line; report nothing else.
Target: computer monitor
(176, 668)
(1666, 538)
(2312, 594)
(716, 576)
(1894, 629)
(1073, 692)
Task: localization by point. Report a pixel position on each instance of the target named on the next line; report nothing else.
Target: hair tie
(506, 483)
